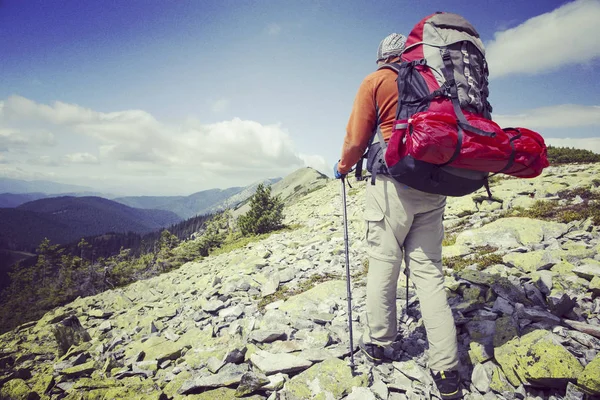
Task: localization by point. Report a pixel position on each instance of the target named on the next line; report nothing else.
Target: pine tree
(265, 215)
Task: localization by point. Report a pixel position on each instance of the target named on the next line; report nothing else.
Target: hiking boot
(448, 383)
(373, 352)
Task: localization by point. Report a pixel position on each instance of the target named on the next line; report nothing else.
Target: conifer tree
(265, 215)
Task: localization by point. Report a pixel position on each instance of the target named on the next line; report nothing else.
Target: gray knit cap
(392, 45)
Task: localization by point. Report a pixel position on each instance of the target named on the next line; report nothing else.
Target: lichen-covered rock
(275, 363)
(69, 332)
(511, 232)
(79, 370)
(251, 382)
(531, 261)
(590, 378)
(595, 285)
(480, 353)
(506, 330)
(499, 383)
(538, 358)
(333, 376)
(299, 304)
(15, 389)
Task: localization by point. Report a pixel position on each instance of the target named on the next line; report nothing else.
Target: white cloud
(11, 137)
(274, 29)
(561, 116)
(80, 158)
(220, 105)
(566, 36)
(3, 159)
(316, 162)
(13, 172)
(592, 144)
(45, 161)
(133, 143)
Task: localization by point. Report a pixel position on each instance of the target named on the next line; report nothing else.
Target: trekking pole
(349, 291)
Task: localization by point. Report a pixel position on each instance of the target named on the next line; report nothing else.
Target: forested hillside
(66, 219)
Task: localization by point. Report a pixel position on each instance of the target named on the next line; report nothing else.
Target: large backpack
(444, 140)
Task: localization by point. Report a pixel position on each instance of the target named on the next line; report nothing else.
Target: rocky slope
(270, 320)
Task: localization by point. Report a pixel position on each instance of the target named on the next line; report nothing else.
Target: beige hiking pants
(404, 223)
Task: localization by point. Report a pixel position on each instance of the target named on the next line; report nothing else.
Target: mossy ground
(482, 257)
(553, 210)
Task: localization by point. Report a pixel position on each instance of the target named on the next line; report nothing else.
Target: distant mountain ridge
(199, 203)
(8, 185)
(65, 219)
(11, 200)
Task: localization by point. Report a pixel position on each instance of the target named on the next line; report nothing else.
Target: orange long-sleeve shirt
(375, 105)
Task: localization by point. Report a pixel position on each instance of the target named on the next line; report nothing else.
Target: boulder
(69, 332)
(538, 358)
(332, 376)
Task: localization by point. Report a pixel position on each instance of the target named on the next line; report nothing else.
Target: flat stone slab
(274, 363)
(230, 377)
(587, 271)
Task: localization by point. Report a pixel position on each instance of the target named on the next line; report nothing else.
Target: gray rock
(534, 294)
(361, 393)
(170, 335)
(545, 281)
(509, 291)
(213, 306)
(587, 271)
(287, 275)
(535, 314)
(232, 312)
(69, 332)
(574, 392)
(214, 364)
(250, 383)
(270, 286)
(413, 371)
(481, 379)
(380, 389)
(502, 305)
(235, 356)
(105, 326)
(590, 329)
(560, 303)
(274, 363)
(584, 339)
(230, 377)
(266, 336)
(276, 382)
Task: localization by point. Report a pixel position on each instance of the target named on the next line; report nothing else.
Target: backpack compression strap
(448, 71)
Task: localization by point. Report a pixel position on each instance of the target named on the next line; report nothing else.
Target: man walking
(402, 224)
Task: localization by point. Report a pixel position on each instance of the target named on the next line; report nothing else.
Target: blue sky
(156, 97)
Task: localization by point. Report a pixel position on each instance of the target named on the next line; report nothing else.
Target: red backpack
(444, 140)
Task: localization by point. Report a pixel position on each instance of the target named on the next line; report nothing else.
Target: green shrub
(565, 155)
(265, 215)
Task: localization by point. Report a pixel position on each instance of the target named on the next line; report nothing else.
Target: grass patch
(482, 257)
(449, 240)
(314, 189)
(552, 210)
(496, 178)
(364, 271)
(285, 292)
(353, 191)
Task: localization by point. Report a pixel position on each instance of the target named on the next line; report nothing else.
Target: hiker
(402, 224)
